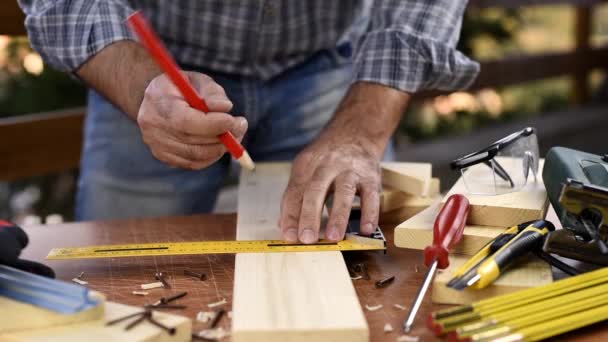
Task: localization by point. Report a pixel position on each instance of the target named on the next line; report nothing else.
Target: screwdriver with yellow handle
(527, 240)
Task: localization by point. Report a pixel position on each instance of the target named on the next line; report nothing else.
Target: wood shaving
(408, 338)
(373, 308)
(213, 334)
(400, 307)
(388, 328)
(79, 282)
(230, 314)
(151, 285)
(221, 302)
(140, 293)
(357, 277)
(205, 316)
(416, 268)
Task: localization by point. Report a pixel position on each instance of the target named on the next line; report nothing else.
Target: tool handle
(448, 230)
(526, 241)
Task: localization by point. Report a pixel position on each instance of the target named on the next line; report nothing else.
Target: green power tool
(577, 186)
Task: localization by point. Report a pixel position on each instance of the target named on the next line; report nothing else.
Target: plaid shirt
(405, 44)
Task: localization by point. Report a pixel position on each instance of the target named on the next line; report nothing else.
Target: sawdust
(213, 334)
(151, 285)
(79, 282)
(140, 293)
(400, 307)
(221, 302)
(408, 338)
(205, 316)
(356, 278)
(388, 328)
(373, 308)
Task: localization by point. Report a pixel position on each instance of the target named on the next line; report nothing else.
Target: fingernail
(307, 236)
(332, 234)
(368, 228)
(291, 235)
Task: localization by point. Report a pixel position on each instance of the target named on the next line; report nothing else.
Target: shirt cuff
(409, 63)
(67, 37)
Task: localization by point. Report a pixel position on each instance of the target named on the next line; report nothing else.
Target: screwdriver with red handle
(447, 231)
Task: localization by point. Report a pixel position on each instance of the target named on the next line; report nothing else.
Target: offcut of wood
(97, 331)
(530, 203)
(392, 199)
(524, 274)
(417, 233)
(23, 316)
(411, 178)
(414, 205)
(287, 296)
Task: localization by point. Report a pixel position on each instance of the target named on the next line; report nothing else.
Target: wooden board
(525, 274)
(27, 316)
(411, 178)
(417, 233)
(506, 210)
(287, 296)
(411, 207)
(96, 331)
(392, 199)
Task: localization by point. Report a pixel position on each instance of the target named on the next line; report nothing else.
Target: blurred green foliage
(22, 92)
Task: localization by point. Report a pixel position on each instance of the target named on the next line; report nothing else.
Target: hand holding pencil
(192, 127)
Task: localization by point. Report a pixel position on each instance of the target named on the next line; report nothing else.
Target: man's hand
(344, 159)
(176, 133)
(180, 135)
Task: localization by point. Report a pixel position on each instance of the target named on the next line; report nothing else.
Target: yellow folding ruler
(352, 242)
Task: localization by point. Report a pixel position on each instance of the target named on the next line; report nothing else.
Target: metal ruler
(352, 242)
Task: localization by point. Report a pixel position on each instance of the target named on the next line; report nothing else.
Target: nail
(169, 330)
(384, 282)
(160, 276)
(291, 235)
(200, 276)
(332, 234)
(218, 317)
(307, 236)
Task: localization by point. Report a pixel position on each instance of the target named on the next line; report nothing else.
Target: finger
(212, 92)
(239, 132)
(345, 188)
(312, 204)
(197, 153)
(370, 206)
(179, 162)
(291, 205)
(187, 120)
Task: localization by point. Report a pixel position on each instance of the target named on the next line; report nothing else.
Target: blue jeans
(120, 177)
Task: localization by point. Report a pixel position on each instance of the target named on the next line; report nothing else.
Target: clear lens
(507, 172)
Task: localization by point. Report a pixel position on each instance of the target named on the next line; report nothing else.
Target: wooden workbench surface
(118, 277)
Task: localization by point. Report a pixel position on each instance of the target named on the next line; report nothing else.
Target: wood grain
(287, 296)
(525, 274)
(97, 331)
(411, 178)
(24, 316)
(530, 203)
(417, 233)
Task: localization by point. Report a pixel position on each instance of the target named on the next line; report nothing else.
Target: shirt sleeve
(410, 45)
(67, 33)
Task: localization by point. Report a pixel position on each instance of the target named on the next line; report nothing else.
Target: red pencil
(165, 61)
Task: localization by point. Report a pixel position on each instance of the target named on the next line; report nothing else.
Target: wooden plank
(530, 203)
(40, 143)
(582, 26)
(417, 233)
(97, 331)
(24, 316)
(11, 19)
(287, 296)
(392, 199)
(411, 178)
(525, 274)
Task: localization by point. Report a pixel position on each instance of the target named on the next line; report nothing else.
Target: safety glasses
(502, 167)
